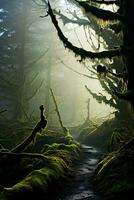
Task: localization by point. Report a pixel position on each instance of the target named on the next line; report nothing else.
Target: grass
(114, 175)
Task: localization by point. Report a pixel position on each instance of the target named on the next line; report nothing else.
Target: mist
(57, 63)
(66, 99)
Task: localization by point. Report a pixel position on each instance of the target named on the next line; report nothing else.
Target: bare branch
(35, 92)
(79, 21)
(81, 74)
(29, 65)
(38, 4)
(32, 80)
(8, 82)
(65, 19)
(117, 75)
(91, 41)
(78, 39)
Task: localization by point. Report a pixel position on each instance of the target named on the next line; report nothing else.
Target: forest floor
(81, 184)
(73, 168)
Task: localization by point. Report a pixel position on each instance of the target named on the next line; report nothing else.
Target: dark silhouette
(101, 70)
(38, 128)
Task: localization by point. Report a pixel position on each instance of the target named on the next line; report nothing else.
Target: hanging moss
(100, 13)
(80, 51)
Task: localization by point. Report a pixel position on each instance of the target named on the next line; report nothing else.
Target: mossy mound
(114, 175)
(49, 137)
(59, 151)
(37, 182)
(95, 135)
(101, 135)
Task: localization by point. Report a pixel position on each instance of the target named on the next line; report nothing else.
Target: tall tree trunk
(19, 102)
(58, 112)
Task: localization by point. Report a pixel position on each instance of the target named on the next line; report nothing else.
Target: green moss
(94, 136)
(71, 148)
(113, 133)
(104, 164)
(40, 178)
(114, 175)
(49, 137)
(69, 138)
(61, 156)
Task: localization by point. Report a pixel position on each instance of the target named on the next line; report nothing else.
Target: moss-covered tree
(121, 20)
(114, 173)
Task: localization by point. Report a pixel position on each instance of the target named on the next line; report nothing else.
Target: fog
(58, 68)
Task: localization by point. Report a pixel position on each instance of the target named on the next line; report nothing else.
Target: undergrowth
(33, 177)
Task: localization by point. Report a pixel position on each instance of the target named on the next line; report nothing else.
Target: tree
(17, 74)
(121, 22)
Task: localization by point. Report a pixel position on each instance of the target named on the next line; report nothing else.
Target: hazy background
(67, 85)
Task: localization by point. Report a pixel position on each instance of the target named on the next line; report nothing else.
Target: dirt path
(81, 185)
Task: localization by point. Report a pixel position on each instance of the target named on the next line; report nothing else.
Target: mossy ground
(100, 136)
(114, 175)
(34, 177)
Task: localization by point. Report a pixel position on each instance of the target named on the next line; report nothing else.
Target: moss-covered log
(37, 183)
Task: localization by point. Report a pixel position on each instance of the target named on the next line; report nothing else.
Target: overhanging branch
(101, 98)
(100, 13)
(77, 20)
(106, 2)
(79, 51)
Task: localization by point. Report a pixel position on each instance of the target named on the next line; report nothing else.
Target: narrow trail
(80, 187)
